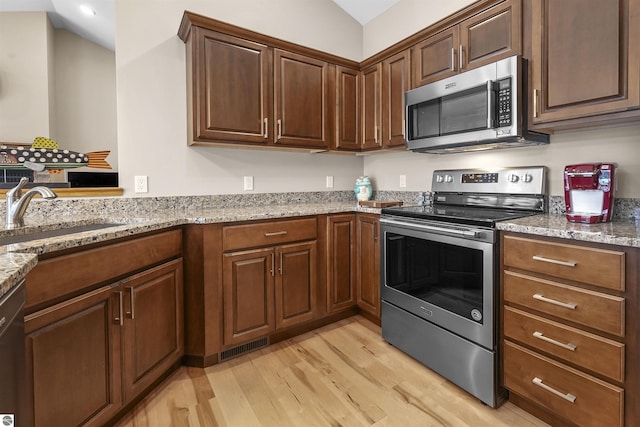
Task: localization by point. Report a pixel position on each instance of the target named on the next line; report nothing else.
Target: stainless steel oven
(439, 272)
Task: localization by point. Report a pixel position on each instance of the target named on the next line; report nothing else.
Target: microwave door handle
(490, 105)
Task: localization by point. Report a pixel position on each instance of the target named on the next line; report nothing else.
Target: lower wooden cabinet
(153, 325)
(88, 356)
(268, 288)
(341, 262)
(74, 360)
(368, 264)
(568, 333)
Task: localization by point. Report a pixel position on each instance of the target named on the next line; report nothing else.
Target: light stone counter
(18, 258)
(623, 232)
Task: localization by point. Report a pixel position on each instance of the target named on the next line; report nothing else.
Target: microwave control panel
(504, 102)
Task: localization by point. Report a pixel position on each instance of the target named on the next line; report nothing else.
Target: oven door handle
(439, 230)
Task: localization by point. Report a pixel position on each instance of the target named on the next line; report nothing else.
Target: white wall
(151, 84)
(85, 100)
(24, 76)
(403, 19)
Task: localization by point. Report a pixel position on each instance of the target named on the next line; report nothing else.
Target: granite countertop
(19, 258)
(622, 232)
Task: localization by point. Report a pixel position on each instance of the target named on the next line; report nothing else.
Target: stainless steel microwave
(479, 109)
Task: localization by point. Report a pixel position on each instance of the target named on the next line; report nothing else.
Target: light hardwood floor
(344, 374)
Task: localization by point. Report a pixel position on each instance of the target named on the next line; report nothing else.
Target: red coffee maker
(588, 192)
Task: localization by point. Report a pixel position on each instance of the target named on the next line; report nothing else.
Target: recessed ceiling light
(87, 10)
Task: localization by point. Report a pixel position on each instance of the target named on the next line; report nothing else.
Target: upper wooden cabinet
(372, 107)
(396, 79)
(483, 38)
(301, 101)
(584, 62)
(229, 89)
(248, 89)
(347, 84)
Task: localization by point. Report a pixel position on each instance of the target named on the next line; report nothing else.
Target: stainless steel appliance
(439, 271)
(480, 109)
(588, 192)
(12, 354)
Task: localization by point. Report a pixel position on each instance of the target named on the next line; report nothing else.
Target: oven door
(443, 273)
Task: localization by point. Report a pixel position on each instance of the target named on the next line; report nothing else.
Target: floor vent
(242, 349)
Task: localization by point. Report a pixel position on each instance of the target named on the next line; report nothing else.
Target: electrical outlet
(329, 181)
(141, 184)
(248, 183)
(403, 181)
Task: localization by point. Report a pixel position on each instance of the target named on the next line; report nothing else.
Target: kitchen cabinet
(341, 262)
(584, 62)
(368, 264)
(566, 330)
(247, 89)
(74, 361)
(103, 337)
(229, 91)
(488, 36)
(347, 83)
(396, 79)
(269, 277)
(301, 100)
(152, 324)
(372, 107)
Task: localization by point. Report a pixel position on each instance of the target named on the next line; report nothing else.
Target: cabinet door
(73, 360)
(396, 74)
(301, 100)
(491, 35)
(584, 59)
(153, 326)
(230, 91)
(368, 289)
(295, 291)
(341, 268)
(372, 107)
(347, 109)
(435, 58)
(248, 295)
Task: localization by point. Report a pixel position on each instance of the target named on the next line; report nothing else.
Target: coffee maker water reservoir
(588, 192)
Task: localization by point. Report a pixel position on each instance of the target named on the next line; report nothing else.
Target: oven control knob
(527, 177)
(448, 178)
(439, 178)
(476, 315)
(512, 177)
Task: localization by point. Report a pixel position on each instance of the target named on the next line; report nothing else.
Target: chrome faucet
(17, 202)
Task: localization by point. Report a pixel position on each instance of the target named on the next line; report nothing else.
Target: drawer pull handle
(566, 396)
(568, 346)
(275, 233)
(569, 305)
(555, 261)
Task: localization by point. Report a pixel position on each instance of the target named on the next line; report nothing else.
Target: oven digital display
(479, 178)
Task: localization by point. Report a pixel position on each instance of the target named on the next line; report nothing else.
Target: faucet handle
(17, 190)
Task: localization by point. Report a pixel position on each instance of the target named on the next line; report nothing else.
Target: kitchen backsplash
(131, 206)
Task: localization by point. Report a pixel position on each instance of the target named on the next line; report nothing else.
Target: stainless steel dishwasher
(12, 354)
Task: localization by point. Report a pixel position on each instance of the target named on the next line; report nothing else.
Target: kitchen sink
(45, 234)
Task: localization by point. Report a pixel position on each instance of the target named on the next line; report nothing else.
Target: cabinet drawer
(592, 309)
(573, 395)
(67, 275)
(567, 343)
(588, 265)
(268, 233)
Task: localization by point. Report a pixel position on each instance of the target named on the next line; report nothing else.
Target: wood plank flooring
(344, 374)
